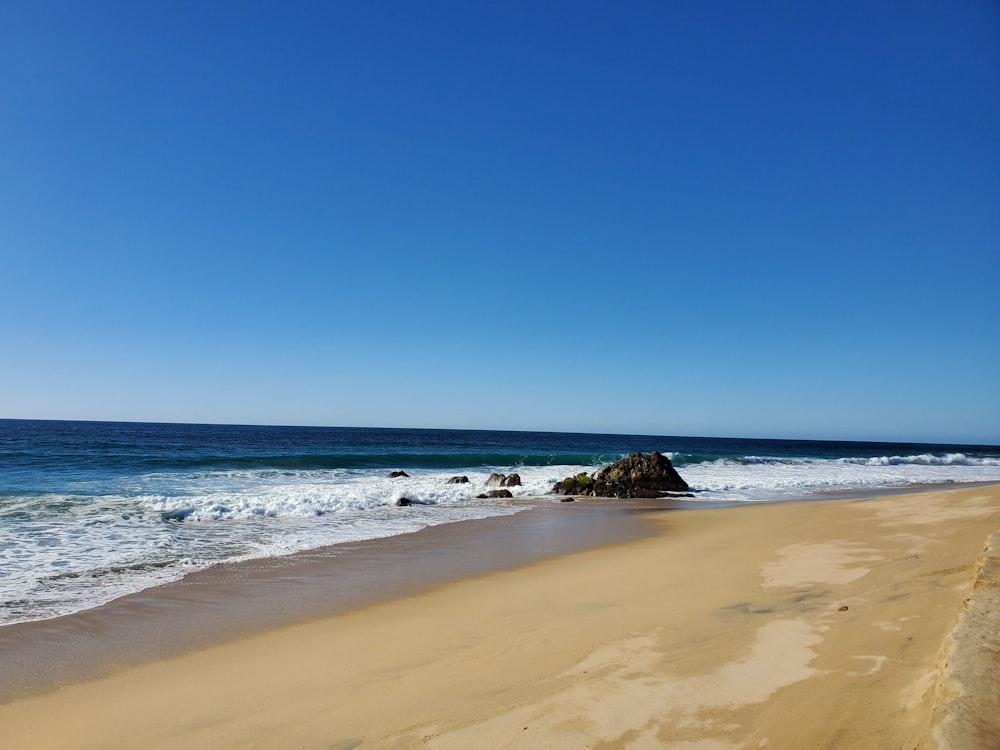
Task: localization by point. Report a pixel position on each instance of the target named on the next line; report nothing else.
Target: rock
(636, 475)
(495, 480)
(581, 484)
(495, 493)
(503, 480)
(842, 608)
(403, 502)
(176, 515)
(396, 474)
(567, 499)
(459, 480)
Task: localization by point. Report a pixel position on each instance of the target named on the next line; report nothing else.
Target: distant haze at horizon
(770, 221)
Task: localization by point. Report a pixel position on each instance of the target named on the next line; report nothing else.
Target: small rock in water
(459, 480)
(495, 480)
(567, 499)
(403, 502)
(395, 474)
(494, 493)
(503, 480)
(176, 515)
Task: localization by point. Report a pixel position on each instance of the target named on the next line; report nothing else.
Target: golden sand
(822, 624)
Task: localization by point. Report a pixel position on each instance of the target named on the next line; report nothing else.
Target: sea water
(91, 511)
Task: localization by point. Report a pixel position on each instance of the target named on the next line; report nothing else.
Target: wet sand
(835, 623)
(238, 599)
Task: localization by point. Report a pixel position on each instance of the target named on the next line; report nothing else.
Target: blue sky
(774, 219)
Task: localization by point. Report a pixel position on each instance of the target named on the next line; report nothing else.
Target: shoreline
(746, 595)
(528, 503)
(237, 599)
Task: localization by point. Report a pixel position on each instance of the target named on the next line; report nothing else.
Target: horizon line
(488, 429)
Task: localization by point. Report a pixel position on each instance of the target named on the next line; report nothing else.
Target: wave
(101, 548)
(923, 459)
(461, 460)
(761, 478)
(361, 461)
(256, 495)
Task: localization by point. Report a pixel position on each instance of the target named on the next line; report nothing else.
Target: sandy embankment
(793, 625)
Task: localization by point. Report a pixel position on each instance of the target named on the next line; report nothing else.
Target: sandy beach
(847, 623)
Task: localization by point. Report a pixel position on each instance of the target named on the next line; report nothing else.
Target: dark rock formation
(403, 502)
(503, 480)
(495, 493)
(495, 480)
(395, 474)
(581, 484)
(459, 480)
(636, 475)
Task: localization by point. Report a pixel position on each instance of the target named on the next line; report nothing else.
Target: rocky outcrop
(581, 484)
(404, 502)
(636, 475)
(397, 474)
(503, 480)
(495, 493)
(459, 480)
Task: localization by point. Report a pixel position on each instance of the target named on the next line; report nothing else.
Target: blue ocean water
(90, 511)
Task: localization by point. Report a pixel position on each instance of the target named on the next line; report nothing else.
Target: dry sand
(823, 624)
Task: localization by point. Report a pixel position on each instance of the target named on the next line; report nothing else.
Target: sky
(769, 219)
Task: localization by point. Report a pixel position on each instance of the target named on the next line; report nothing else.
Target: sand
(824, 624)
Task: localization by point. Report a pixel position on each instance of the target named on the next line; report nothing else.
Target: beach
(862, 623)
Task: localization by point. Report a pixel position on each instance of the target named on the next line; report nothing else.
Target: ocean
(91, 511)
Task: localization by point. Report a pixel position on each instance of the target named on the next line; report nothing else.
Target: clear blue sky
(773, 219)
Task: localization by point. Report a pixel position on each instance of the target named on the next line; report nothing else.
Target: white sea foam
(925, 459)
(236, 495)
(758, 478)
(96, 549)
